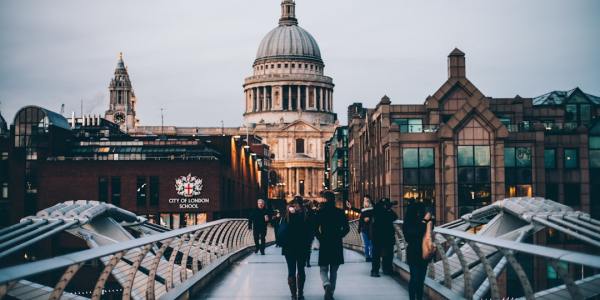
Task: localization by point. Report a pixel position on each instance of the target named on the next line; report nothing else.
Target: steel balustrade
(462, 256)
(146, 268)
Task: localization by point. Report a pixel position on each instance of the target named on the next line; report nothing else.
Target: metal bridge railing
(472, 266)
(143, 268)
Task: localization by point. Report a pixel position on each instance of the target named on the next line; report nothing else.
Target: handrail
(470, 265)
(146, 267)
(25, 270)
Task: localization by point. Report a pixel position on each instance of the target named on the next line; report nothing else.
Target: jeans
(383, 256)
(368, 245)
(259, 240)
(295, 263)
(329, 275)
(418, 270)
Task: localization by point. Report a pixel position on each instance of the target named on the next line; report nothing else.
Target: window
(115, 189)
(572, 194)
(594, 152)
(550, 158)
(154, 188)
(409, 125)
(299, 145)
(570, 159)
(571, 113)
(103, 189)
(517, 172)
(285, 66)
(418, 175)
(578, 113)
(552, 191)
(474, 187)
(5, 190)
(473, 156)
(141, 193)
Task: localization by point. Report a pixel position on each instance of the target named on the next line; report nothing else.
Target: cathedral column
(325, 99)
(307, 182)
(321, 90)
(315, 174)
(264, 98)
(331, 100)
(290, 97)
(298, 99)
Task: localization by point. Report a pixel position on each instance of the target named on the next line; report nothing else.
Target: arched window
(299, 145)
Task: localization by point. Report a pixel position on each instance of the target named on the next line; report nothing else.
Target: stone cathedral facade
(289, 103)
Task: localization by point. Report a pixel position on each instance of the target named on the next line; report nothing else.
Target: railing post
(105, 274)
(468, 289)
(566, 278)
(489, 271)
(64, 281)
(527, 290)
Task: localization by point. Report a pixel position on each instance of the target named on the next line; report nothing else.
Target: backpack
(428, 247)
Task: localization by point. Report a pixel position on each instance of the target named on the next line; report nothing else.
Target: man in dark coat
(384, 237)
(331, 227)
(259, 218)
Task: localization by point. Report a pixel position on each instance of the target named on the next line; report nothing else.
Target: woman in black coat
(331, 227)
(415, 224)
(295, 236)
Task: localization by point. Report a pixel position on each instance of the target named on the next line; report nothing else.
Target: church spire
(288, 13)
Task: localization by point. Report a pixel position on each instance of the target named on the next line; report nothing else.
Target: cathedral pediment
(301, 126)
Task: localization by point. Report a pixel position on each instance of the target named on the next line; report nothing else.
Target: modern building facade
(289, 103)
(337, 175)
(461, 149)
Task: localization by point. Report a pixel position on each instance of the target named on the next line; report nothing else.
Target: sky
(191, 57)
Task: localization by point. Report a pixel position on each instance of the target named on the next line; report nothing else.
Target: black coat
(257, 222)
(383, 230)
(363, 225)
(331, 227)
(413, 234)
(295, 235)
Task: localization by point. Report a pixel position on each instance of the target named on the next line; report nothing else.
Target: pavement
(265, 277)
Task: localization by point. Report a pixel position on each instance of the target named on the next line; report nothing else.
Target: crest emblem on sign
(188, 186)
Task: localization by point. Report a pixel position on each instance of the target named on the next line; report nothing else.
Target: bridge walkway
(264, 277)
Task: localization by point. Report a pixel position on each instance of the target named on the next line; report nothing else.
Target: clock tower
(121, 109)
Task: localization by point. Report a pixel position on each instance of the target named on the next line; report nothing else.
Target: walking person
(384, 237)
(311, 215)
(414, 228)
(275, 220)
(259, 218)
(364, 225)
(294, 238)
(331, 227)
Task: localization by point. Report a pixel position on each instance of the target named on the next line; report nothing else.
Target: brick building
(175, 180)
(461, 149)
(337, 175)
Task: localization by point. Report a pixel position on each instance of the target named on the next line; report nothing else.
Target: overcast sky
(190, 57)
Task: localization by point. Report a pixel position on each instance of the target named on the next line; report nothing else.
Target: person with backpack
(331, 227)
(295, 236)
(384, 237)
(415, 229)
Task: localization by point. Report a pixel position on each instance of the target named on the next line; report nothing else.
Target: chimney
(456, 64)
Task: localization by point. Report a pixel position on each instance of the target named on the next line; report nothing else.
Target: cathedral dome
(288, 40)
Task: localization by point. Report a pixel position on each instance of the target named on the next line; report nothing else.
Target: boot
(292, 284)
(301, 280)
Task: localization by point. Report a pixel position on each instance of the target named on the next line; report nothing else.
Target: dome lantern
(288, 13)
